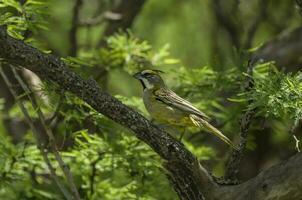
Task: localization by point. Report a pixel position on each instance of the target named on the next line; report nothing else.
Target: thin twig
(74, 27)
(101, 18)
(297, 143)
(234, 161)
(36, 134)
(93, 171)
(50, 135)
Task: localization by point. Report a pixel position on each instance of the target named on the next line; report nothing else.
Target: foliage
(21, 17)
(133, 54)
(276, 94)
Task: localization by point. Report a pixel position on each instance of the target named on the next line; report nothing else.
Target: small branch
(297, 143)
(101, 18)
(93, 171)
(36, 134)
(74, 28)
(234, 161)
(50, 135)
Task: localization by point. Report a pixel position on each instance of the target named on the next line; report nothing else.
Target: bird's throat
(143, 84)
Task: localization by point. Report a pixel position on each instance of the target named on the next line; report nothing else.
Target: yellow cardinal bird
(167, 107)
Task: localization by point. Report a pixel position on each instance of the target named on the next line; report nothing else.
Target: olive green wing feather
(172, 99)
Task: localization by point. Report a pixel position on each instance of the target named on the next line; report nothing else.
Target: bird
(165, 106)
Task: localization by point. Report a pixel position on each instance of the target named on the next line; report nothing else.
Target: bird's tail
(203, 123)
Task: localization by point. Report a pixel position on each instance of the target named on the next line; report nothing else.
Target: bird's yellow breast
(164, 113)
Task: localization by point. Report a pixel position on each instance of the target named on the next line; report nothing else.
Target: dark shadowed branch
(234, 161)
(74, 28)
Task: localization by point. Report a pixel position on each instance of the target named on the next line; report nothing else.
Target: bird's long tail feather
(203, 123)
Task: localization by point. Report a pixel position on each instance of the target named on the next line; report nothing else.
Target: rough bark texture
(189, 179)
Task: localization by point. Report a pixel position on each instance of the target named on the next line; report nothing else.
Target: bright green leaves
(122, 168)
(20, 18)
(275, 93)
(124, 51)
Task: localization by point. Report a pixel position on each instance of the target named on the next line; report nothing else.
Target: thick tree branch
(282, 181)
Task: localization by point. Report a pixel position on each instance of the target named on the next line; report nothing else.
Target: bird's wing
(170, 98)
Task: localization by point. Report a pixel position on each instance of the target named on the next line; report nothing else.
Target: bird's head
(150, 79)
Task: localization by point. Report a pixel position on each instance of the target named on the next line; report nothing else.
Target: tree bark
(188, 177)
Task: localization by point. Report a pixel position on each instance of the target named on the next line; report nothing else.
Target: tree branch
(282, 181)
(285, 51)
(74, 28)
(107, 15)
(236, 156)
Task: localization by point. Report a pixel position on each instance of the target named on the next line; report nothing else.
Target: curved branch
(282, 181)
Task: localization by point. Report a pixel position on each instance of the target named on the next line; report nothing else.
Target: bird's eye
(148, 75)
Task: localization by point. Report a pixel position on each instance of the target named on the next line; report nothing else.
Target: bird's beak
(138, 76)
